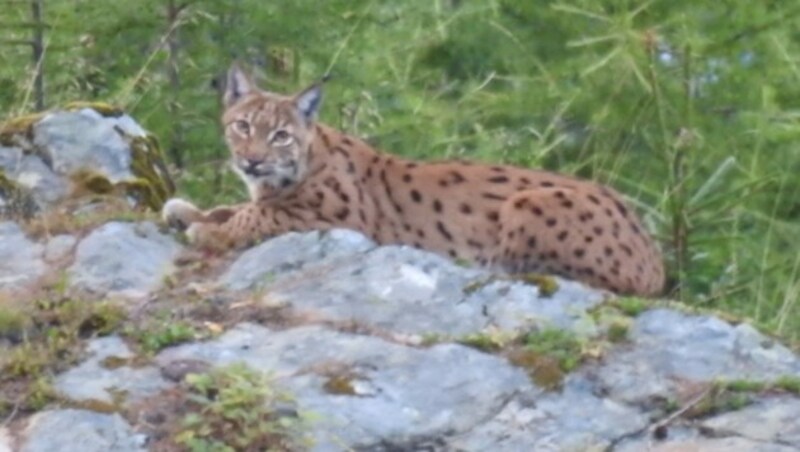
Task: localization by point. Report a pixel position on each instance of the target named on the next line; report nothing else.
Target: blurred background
(690, 108)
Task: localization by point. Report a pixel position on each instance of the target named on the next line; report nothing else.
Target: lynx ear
(237, 86)
(308, 102)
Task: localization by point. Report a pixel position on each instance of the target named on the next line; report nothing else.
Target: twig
(13, 413)
(688, 406)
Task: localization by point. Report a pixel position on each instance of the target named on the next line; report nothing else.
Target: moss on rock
(18, 202)
(153, 185)
(107, 110)
(20, 127)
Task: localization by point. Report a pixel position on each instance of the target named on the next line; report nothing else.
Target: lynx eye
(281, 137)
(242, 126)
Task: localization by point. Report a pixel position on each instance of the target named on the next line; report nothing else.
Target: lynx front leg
(181, 214)
(244, 227)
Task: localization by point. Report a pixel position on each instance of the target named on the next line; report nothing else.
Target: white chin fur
(251, 183)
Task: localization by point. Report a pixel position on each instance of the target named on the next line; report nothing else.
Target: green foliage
(234, 408)
(51, 332)
(12, 322)
(789, 383)
(46, 338)
(488, 341)
(548, 355)
(687, 107)
(162, 333)
(631, 306)
(618, 331)
(558, 344)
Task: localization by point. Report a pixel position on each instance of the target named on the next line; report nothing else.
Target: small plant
(50, 333)
(618, 332)
(25, 360)
(744, 386)
(789, 384)
(235, 408)
(40, 393)
(487, 341)
(430, 339)
(548, 355)
(547, 284)
(12, 322)
(557, 344)
(163, 334)
(631, 306)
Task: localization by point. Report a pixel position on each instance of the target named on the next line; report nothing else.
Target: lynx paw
(180, 214)
(207, 236)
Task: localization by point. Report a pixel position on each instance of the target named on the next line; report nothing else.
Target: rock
(5, 440)
(73, 430)
(731, 444)
(32, 173)
(123, 259)
(367, 389)
(59, 247)
(772, 420)
(86, 140)
(395, 393)
(109, 376)
(21, 261)
(342, 276)
(290, 252)
(575, 419)
(670, 348)
(82, 148)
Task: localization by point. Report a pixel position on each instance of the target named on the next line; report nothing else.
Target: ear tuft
(308, 102)
(237, 86)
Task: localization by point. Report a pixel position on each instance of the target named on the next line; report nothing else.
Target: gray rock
(514, 306)
(84, 139)
(9, 158)
(21, 261)
(341, 276)
(573, 420)
(772, 420)
(257, 266)
(59, 247)
(401, 289)
(80, 431)
(670, 348)
(730, 444)
(96, 379)
(31, 172)
(123, 259)
(400, 393)
(5, 440)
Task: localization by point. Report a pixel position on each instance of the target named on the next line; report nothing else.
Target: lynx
(303, 175)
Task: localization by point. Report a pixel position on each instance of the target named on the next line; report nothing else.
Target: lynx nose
(250, 166)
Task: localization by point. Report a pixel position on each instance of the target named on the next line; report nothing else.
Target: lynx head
(269, 134)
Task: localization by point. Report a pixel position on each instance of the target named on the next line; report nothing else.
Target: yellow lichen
(340, 385)
(547, 284)
(12, 129)
(154, 185)
(103, 108)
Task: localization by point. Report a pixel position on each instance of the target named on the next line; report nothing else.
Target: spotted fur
(303, 175)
